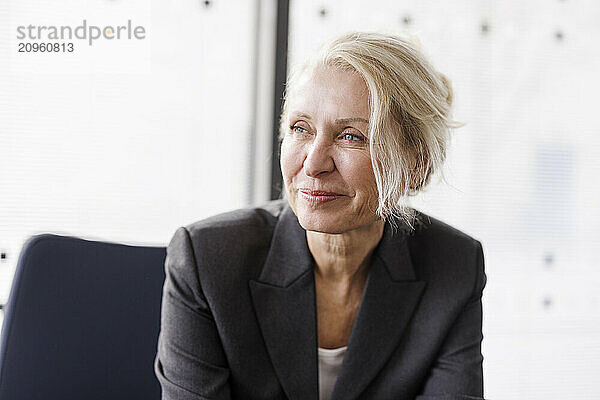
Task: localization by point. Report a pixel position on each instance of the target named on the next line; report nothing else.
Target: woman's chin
(323, 222)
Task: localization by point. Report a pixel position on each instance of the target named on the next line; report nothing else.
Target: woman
(339, 291)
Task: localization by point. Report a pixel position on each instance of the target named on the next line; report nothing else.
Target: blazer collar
(289, 256)
(284, 299)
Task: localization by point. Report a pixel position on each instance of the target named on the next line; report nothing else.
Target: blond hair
(410, 103)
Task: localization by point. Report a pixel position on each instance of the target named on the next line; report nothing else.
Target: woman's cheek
(291, 156)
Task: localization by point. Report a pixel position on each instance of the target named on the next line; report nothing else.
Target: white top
(330, 362)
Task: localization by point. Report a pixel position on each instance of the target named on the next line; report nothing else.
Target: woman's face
(325, 158)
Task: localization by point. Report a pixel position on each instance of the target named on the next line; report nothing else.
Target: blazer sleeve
(190, 363)
(458, 371)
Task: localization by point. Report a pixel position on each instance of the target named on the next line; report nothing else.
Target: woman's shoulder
(258, 217)
(228, 247)
(237, 232)
(436, 242)
(442, 252)
(427, 227)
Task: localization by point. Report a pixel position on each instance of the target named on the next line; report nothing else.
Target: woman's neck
(345, 257)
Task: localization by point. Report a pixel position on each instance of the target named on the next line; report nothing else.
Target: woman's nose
(319, 158)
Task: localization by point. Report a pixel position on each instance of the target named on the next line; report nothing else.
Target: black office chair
(82, 321)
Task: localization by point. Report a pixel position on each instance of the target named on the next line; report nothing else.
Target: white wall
(124, 140)
(522, 175)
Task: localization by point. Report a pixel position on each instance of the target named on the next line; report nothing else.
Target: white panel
(124, 141)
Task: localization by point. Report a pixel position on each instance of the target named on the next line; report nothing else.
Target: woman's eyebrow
(301, 115)
(338, 121)
(348, 120)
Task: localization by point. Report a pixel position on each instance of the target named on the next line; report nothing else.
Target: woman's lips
(319, 197)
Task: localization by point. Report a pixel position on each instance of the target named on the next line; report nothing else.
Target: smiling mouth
(316, 197)
(319, 193)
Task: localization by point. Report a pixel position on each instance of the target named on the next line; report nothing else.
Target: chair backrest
(82, 321)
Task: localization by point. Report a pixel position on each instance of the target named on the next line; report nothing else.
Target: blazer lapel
(391, 295)
(285, 304)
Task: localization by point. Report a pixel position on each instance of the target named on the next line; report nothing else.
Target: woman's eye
(298, 129)
(352, 137)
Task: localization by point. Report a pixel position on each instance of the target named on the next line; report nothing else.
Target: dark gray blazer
(239, 313)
